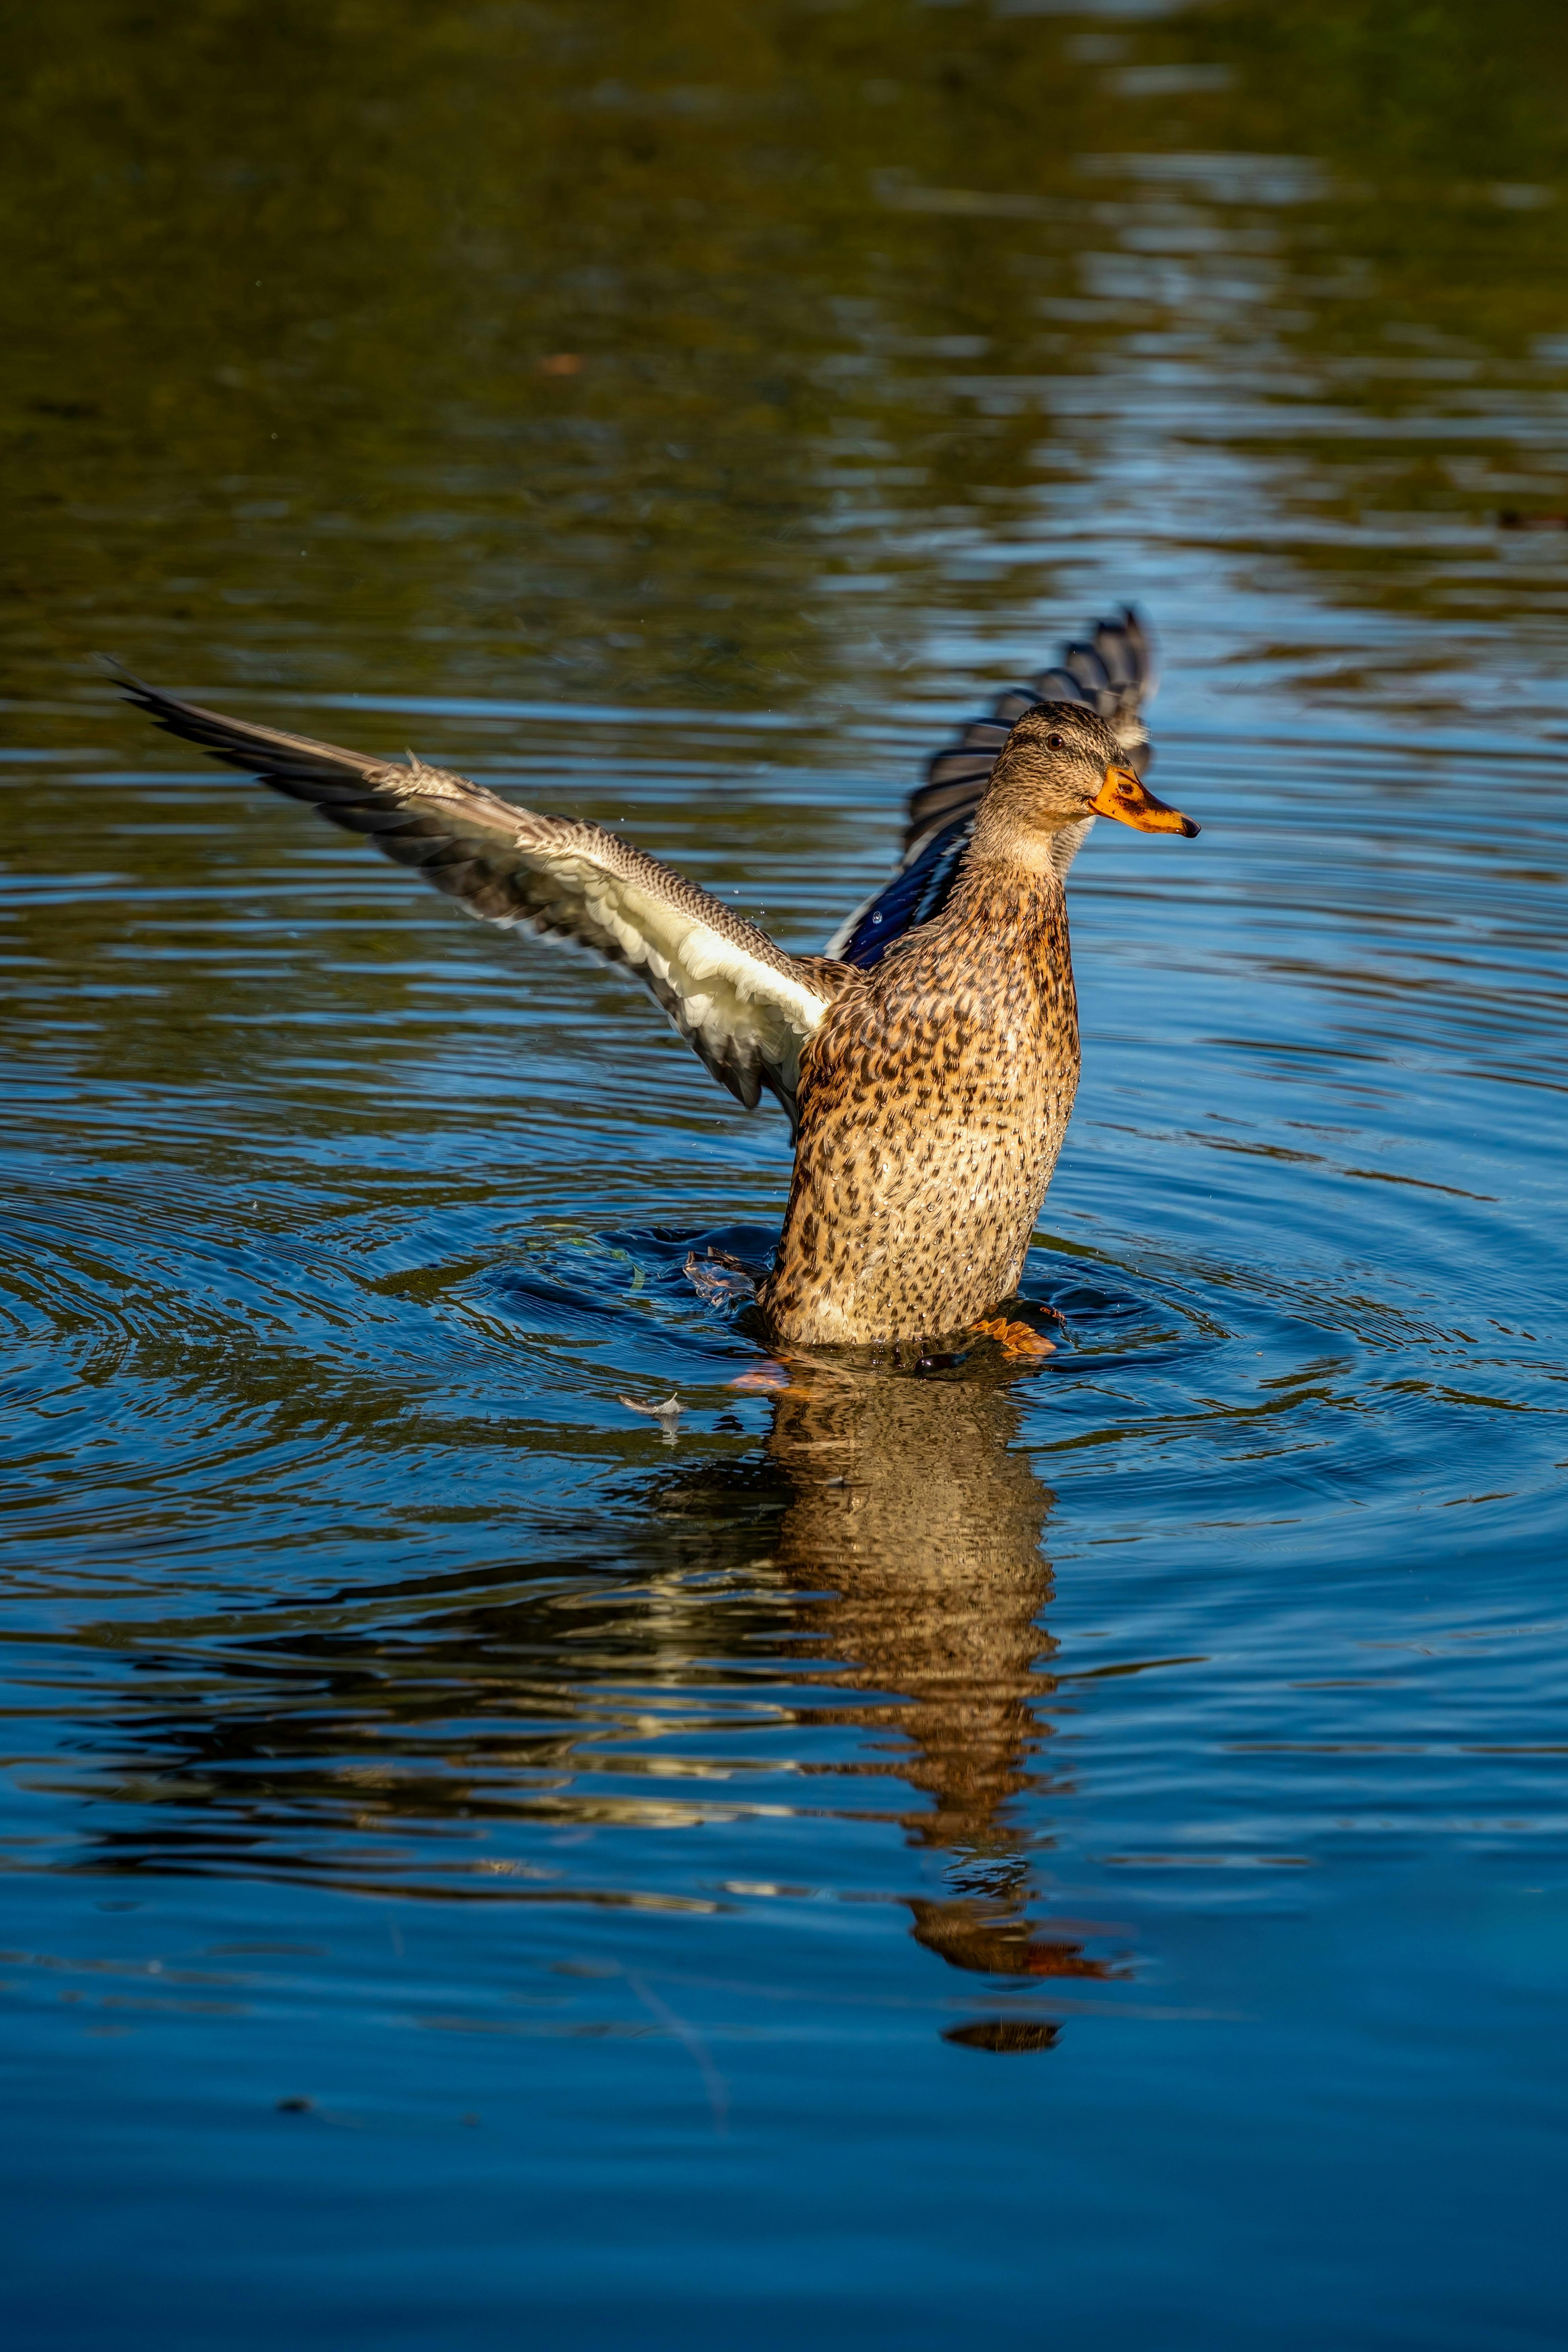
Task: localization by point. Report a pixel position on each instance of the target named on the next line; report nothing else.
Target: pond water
(1082, 1848)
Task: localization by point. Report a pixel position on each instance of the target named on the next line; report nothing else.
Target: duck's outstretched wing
(1112, 671)
(745, 1005)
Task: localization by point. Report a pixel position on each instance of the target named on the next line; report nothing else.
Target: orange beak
(1127, 798)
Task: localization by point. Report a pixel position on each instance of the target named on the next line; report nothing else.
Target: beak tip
(1190, 831)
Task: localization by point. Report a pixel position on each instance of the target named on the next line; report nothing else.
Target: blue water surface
(909, 1857)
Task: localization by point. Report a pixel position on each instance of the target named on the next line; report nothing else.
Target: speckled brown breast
(933, 1101)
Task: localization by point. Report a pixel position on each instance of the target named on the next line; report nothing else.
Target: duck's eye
(1055, 742)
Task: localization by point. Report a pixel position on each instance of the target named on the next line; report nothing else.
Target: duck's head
(1060, 764)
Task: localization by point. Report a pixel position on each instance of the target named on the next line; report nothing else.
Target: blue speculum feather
(912, 897)
(1111, 673)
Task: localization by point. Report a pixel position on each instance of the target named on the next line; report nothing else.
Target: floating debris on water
(719, 1277)
(667, 1414)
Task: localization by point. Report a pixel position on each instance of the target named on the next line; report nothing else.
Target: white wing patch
(746, 1018)
(745, 1004)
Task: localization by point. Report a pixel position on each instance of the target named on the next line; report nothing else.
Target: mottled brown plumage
(935, 1095)
(932, 1083)
(933, 1101)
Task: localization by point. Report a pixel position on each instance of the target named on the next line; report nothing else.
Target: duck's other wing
(745, 1005)
(1112, 671)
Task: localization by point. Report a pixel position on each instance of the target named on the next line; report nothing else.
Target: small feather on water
(668, 1413)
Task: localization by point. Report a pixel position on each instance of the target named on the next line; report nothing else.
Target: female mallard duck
(928, 1061)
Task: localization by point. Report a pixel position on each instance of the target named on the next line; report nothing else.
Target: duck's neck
(1000, 949)
(1007, 896)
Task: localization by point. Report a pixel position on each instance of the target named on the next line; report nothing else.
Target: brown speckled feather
(934, 1098)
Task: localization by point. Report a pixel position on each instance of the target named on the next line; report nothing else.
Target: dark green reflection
(603, 347)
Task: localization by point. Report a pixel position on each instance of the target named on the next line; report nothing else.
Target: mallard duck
(927, 1060)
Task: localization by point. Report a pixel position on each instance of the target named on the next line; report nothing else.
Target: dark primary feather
(740, 1001)
(1112, 673)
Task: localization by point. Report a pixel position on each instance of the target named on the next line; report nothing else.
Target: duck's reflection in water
(912, 1531)
(378, 1735)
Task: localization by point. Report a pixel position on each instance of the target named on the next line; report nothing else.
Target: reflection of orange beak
(1127, 798)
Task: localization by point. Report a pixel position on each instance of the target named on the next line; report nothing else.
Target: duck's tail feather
(1112, 671)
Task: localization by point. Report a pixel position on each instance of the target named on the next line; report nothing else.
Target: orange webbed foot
(1020, 1339)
